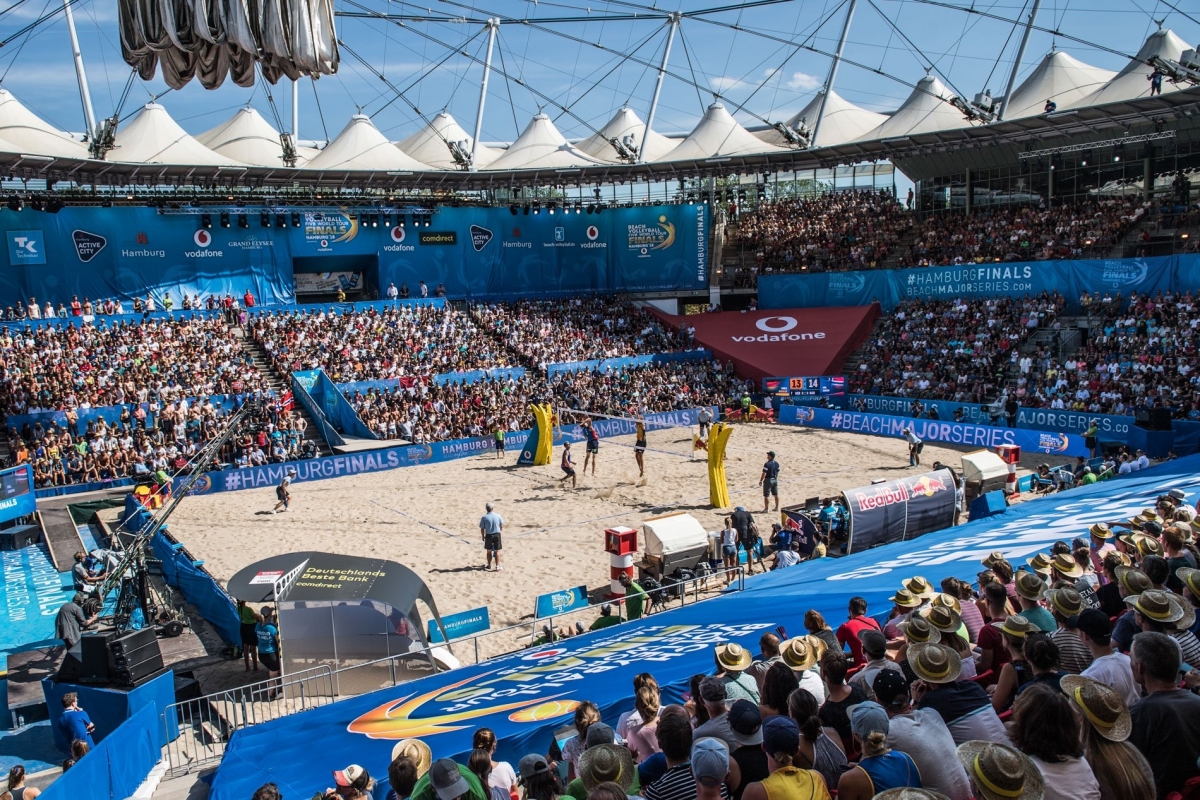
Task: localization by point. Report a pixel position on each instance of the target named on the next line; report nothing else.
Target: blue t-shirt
(491, 522)
(771, 470)
(266, 633)
(74, 724)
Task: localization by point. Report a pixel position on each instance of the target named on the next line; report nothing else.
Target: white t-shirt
(925, 738)
(502, 776)
(1113, 670)
(810, 681)
(1072, 779)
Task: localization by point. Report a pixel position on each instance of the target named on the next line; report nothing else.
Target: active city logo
(480, 237)
(778, 331)
(87, 245)
(644, 238)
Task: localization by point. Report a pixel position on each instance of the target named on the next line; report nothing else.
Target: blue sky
(975, 53)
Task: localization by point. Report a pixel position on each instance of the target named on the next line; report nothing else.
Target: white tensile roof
(921, 112)
(718, 134)
(1059, 77)
(843, 122)
(152, 137)
(626, 123)
(428, 145)
(26, 132)
(1133, 81)
(246, 137)
(360, 145)
(541, 146)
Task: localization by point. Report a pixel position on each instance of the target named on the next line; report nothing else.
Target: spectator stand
(615, 364)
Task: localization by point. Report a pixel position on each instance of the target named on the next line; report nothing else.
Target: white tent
(718, 134)
(1059, 77)
(672, 533)
(248, 138)
(843, 122)
(541, 146)
(428, 145)
(152, 137)
(26, 132)
(626, 123)
(921, 112)
(1133, 81)
(360, 145)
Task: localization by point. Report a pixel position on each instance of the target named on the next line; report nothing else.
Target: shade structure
(924, 110)
(428, 145)
(26, 132)
(541, 146)
(360, 145)
(246, 137)
(718, 134)
(1134, 80)
(843, 122)
(153, 137)
(626, 123)
(1058, 77)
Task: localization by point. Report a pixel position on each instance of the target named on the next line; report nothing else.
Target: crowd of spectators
(116, 306)
(396, 342)
(80, 365)
(1066, 677)
(1023, 233)
(556, 331)
(957, 349)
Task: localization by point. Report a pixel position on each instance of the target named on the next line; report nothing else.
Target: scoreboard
(810, 388)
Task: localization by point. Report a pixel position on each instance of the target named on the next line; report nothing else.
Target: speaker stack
(134, 657)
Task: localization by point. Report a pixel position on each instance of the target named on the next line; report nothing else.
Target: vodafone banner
(799, 341)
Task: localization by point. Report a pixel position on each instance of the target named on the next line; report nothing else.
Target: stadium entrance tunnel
(318, 278)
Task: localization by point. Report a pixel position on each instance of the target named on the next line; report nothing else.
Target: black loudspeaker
(93, 656)
(19, 537)
(186, 687)
(135, 656)
(1153, 419)
(71, 669)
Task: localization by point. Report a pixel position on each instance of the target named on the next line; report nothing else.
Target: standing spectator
(392, 292)
(70, 621)
(248, 299)
(635, 597)
(858, 621)
(75, 723)
(1120, 770)
(248, 622)
(769, 481)
(424, 290)
(17, 790)
(490, 527)
(1166, 722)
(268, 641)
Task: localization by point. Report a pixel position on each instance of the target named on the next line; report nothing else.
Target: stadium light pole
(833, 69)
(296, 111)
(493, 25)
(85, 95)
(1012, 76)
(673, 22)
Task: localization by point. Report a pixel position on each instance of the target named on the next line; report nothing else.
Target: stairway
(902, 245)
(280, 386)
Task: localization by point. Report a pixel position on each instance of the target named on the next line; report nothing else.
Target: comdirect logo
(480, 237)
(87, 245)
(644, 238)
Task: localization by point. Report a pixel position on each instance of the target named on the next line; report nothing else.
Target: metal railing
(397, 669)
(198, 730)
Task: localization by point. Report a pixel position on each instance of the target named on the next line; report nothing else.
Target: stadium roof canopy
(626, 123)
(841, 121)
(245, 137)
(153, 137)
(541, 146)
(360, 146)
(20, 128)
(1058, 77)
(429, 145)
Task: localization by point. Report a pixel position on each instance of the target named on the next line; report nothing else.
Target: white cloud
(803, 82)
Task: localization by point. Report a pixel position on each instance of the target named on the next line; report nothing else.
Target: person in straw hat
(1110, 595)
(1190, 578)
(1120, 770)
(604, 763)
(1168, 613)
(963, 705)
(732, 661)
(954, 634)
(1031, 589)
(781, 743)
(908, 793)
(916, 630)
(411, 759)
(1132, 581)
(904, 602)
(1017, 672)
(1100, 540)
(1066, 605)
(1040, 564)
(802, 655)
(998, 772)
(1046, 728)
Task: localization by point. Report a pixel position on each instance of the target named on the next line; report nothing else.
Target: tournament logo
(329, 228)
(804, 414)
(560, 234)
(398, 233)
(644, 238)
(203, 485)
(480, 237)
(1121, 274)
(1053, 442)
(202, 238)
(593, 233)
(87, 245)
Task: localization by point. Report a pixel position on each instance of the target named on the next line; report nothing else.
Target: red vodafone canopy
(780, 342)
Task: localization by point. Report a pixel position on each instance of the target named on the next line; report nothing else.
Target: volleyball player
(639, 446)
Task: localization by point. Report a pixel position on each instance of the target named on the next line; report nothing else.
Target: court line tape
(420, 521)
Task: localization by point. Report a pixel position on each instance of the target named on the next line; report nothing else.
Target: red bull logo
(926, 486)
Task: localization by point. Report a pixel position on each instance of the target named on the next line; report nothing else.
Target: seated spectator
(1046, 728)
(1120, 770)
(606, 763)
(962, 705)
(677, 783)
(411, 759)
(746, 721)
(17, 789)
(803, 656)
(874, 646)
(714, 695)
(781, 741)
(847, 634)
(1166, 722)
(710, 769)
(881, 767)
(642, 737)
(1042, 655)
(922, 735)
(998, 772)
(1016, 673)
(820, 747)
(732, 661)
(1109, 667)
(780, 682)
(539, 780)
(839, 696)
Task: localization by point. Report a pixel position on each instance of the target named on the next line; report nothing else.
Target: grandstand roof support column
(1148, 172)
(493, 25)
(1016, 67)
(969, 188)
(673, 22)
(296, 111)
(833, 68)
(85, 94)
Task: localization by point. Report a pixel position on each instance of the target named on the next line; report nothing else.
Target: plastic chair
(983, 678)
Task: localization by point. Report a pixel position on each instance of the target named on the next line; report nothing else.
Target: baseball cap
(291, 471)
(353, 775)
(874, 643)
(780, 735)
(448, 782)
(865, 719)
(712, 689)
(599, 733)
(532, 764)
(889, 686)
(745, 718)
(771, 453)
(710, 761)
(1094, 623)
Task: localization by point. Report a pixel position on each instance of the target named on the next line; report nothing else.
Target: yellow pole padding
(544, 418)
(718, 487)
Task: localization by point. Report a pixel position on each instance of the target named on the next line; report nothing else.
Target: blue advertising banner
(1059, 444)
(1014, 279)
(99, 253)
(1112, 427)
(464, 623)
(17, 498)
(554, 603)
